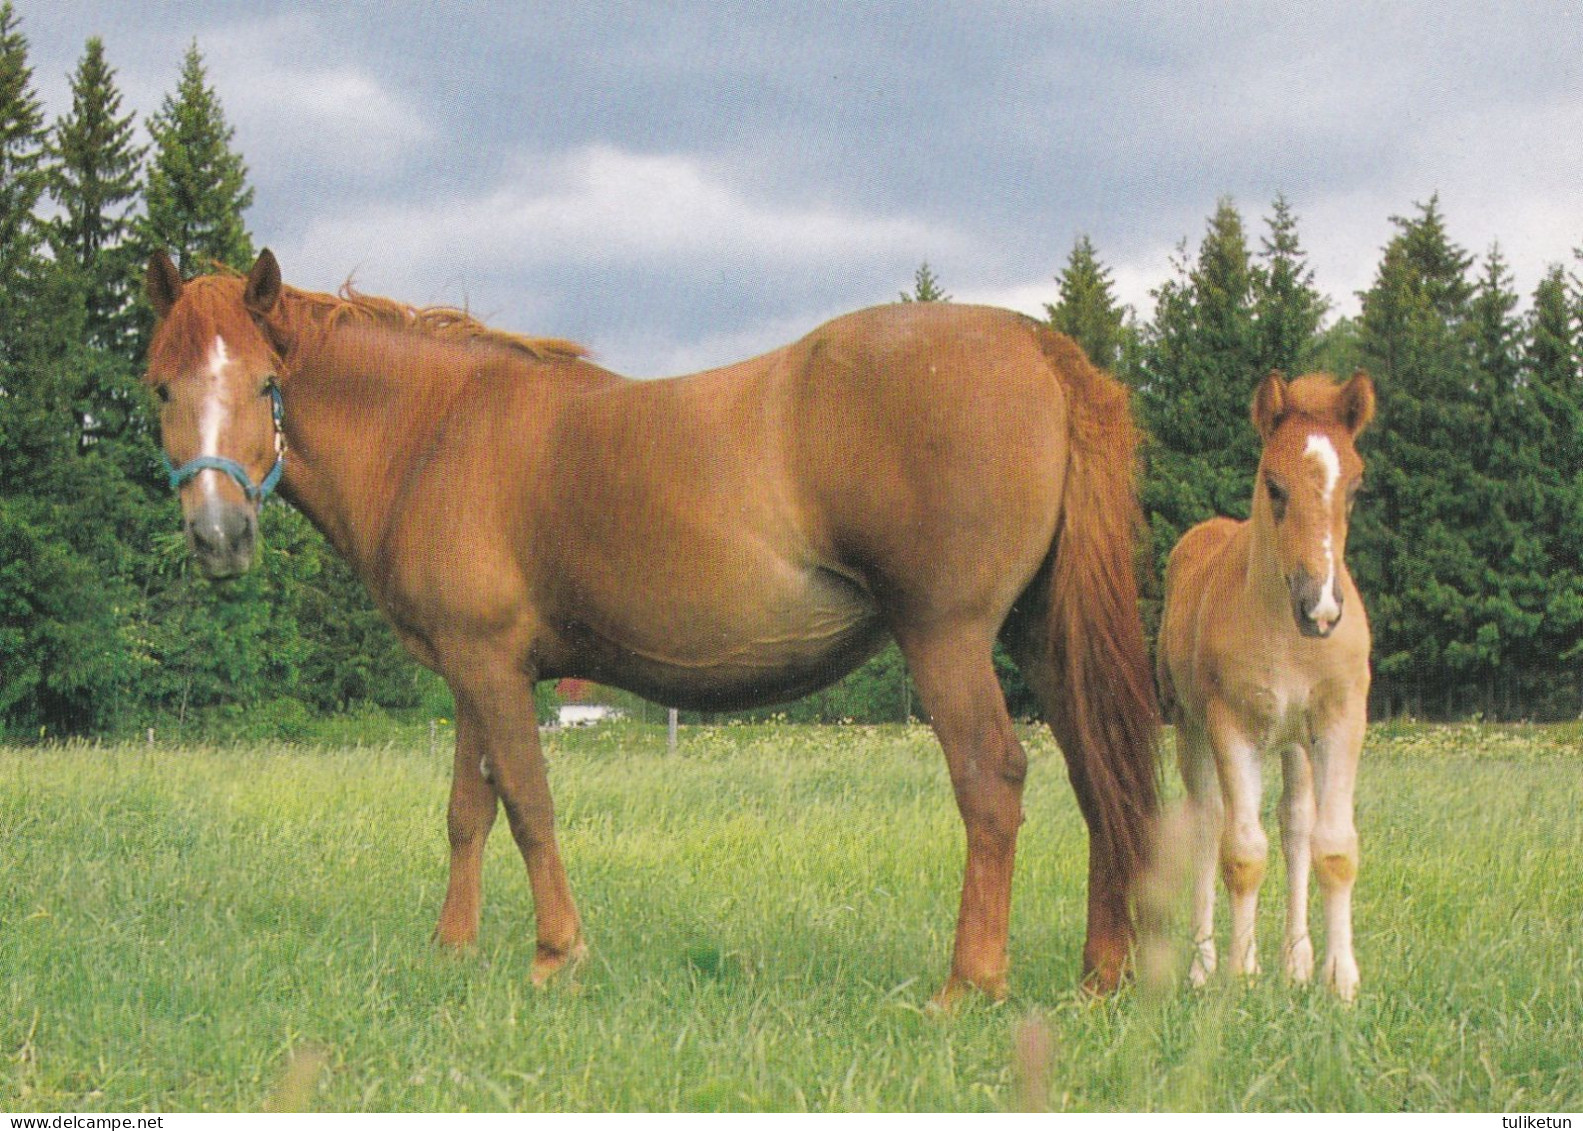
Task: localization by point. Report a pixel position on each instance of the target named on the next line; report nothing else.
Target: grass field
(770, 911)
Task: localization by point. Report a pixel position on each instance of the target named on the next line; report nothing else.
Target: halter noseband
(179, 476)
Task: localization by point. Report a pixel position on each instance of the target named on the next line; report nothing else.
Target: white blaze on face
(211, 417)
(1323, 452)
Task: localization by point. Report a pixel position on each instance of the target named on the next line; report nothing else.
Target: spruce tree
(1554, 387)
(1509, 604)
(1087, 310)
(925, 287)
(1287, 309)
(1199, 366)
(197, 186)
(60, 649)
(25, 406)
(95, 179)
(1415, 562)
(21, 184)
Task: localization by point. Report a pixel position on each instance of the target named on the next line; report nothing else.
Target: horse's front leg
(469, 818)
(498, 701)
(1335, 839)
(1297, 830)
(1244, 847)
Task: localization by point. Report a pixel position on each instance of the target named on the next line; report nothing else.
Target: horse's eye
(1278, 497)
(163, 393)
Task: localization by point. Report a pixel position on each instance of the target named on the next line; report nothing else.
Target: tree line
(1465, 547)
(104, 627)
(1465, 544)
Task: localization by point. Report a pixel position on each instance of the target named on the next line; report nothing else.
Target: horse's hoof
(1245, 964)
(958, 989)
(1300, 960)
(1341, 973)
(455, 938)
(1104, 979)
(550, 963)
(1205, 960)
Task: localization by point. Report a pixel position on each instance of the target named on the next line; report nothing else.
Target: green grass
(769, 911)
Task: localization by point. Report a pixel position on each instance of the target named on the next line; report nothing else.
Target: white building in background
(587, 714)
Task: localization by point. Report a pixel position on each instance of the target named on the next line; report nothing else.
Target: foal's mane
(350, 307)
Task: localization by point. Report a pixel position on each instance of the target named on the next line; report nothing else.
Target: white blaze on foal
(1323, 452)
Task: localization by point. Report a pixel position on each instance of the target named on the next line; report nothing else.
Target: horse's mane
(442, 323)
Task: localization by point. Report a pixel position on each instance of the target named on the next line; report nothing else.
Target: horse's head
(1308, 477)
(214, 372)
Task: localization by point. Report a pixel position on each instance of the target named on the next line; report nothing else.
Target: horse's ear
(1357, 402)
(263, 284)
(162, 283)
(1269, 404)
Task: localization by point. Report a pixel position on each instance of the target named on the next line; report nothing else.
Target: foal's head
(214, 371)
(1308, 477)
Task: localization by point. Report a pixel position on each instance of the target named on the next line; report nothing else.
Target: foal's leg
(498, 701)
(1297, 830)
(1335, 839)
(1197, 760)
(1244, 848)
(468, 821)
(957, 685)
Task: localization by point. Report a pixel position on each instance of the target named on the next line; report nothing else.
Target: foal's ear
(1270, 403)
(1357, 402)
(263, 284)
(162, 283)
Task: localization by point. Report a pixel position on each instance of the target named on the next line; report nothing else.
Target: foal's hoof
(550, 962)
(1300, 960)
(1205, 960)
(1341, 972)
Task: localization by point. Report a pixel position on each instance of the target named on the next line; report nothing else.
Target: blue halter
(179, 476)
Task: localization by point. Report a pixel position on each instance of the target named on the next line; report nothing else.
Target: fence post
(670, 732)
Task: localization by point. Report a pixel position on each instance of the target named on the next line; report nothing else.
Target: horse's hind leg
(1297, 830)
(468, 820)
(1108, 941)
(957, 685)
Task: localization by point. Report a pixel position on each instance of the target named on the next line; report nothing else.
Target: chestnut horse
(940, 474)
(1264, 645)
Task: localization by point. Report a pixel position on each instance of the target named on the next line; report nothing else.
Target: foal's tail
(1104, 687)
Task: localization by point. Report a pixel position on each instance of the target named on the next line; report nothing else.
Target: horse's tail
(1104, 685)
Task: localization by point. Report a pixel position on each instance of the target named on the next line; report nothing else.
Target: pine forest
(1465, 543)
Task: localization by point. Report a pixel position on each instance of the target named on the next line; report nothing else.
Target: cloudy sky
(683, 184)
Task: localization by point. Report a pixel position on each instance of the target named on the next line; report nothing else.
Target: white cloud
(607, 201)
(290, 102)
(600, 205)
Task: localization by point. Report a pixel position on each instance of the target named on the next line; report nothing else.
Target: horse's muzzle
(222, 536)
(1316, 611)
